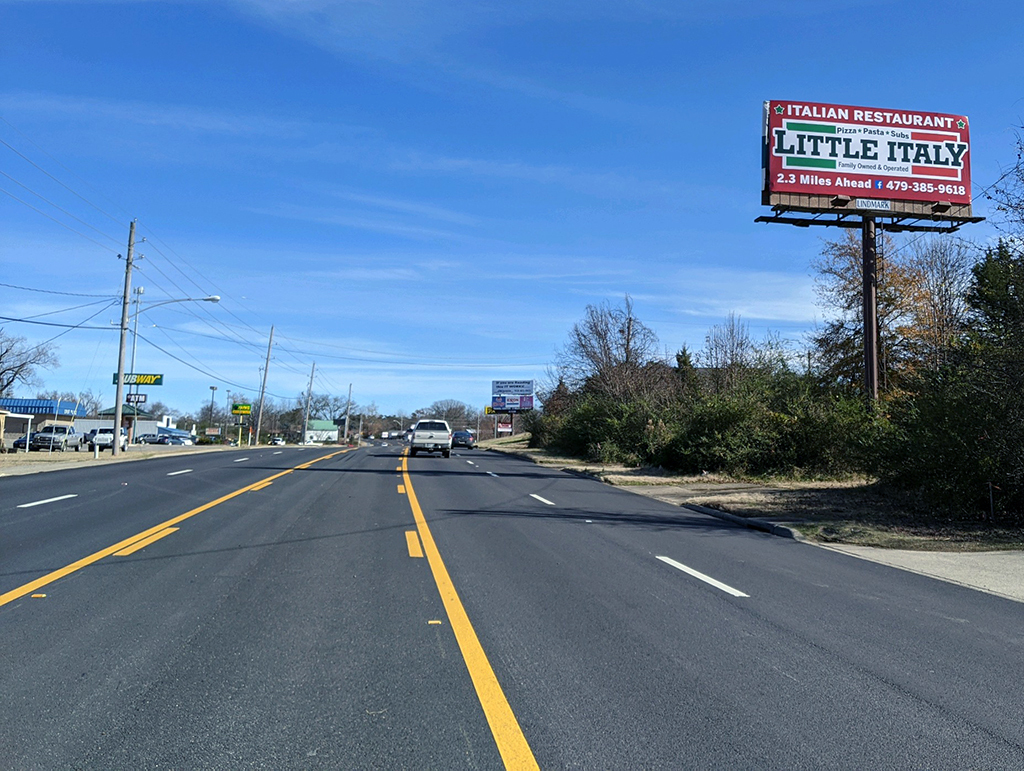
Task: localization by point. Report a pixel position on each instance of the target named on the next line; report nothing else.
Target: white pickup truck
(104, 439)
(431, 436)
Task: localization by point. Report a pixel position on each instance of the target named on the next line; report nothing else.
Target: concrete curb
(756, 524)
(762, 525)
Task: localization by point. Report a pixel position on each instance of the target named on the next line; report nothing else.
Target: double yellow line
(512, 745)
(150, 535)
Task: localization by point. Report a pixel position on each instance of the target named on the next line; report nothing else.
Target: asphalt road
(180, 613)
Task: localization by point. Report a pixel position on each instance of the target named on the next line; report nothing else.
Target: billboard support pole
(870, 301)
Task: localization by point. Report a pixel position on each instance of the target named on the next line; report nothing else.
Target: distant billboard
(501, 404)
(512, 387)
(868, 158)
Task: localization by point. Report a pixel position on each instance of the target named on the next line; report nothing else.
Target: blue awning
(44, 407)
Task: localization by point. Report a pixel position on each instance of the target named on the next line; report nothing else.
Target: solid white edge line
(48, 500)
(706, 579)
(239, 460)
(492, 473)
(542, 500)
(183, 471)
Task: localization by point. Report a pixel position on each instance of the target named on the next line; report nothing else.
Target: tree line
(947, 430)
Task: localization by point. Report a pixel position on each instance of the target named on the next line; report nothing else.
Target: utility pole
(309, 396)
(348, 410)
(263, 388)
(115, 447)
(870, 287)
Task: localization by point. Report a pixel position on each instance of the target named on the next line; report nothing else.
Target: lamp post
(119, 390)
(213, 390)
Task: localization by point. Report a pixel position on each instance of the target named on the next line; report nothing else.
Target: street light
(119, 391)
(213, 390)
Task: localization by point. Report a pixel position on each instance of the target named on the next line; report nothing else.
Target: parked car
(21, 442)
(463, 439)
(148, 439)
(55, 437)
(104, 439)
(277, 441)
(176, 440)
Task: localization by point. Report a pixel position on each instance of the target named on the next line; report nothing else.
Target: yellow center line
(401, 489)
(67, 570)
(512, 745)
(413, 543)
(145, 542)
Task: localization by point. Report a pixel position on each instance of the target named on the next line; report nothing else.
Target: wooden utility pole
(263, 388)
(348, 410)
(115, 447)
(309, 396)
(870, 300)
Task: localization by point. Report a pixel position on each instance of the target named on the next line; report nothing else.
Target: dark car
(21, 442)
(463, 439)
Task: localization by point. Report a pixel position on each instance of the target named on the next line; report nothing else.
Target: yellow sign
(488, 410)
(241, 409)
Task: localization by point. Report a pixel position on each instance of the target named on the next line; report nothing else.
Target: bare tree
(728, 351)
(1008, 195)
(942, 270)
(609, 352)
(18, 361)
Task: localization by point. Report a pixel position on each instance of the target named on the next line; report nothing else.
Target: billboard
(241, 409)
(815, 155)
(512, 387)
(511, 404)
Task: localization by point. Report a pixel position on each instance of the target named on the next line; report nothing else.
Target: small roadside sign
(135, 398)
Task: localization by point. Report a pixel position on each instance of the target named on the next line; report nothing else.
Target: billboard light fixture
(841, 200)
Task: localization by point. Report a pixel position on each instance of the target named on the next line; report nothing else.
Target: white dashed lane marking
(706, 579)
(183, 471)
(542, 500)
(48, 500)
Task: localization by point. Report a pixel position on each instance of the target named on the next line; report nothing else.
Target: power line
(44, 171)
(54, 219)
(52, 291)
(58, 208)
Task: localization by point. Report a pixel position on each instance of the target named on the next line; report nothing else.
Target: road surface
(269, 608)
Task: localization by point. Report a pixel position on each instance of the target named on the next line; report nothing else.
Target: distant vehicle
(55, 437)
(277, 441)
(104, 439)
(176, 440)
(463, 439)
(431, 436)
(148, 439)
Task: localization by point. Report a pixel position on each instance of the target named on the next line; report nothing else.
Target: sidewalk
(996, 572)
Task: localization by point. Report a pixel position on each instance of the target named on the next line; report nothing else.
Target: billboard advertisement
(512, 387)
(871, 154)
(511, 403)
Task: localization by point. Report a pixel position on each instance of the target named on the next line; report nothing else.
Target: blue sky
(424, 196)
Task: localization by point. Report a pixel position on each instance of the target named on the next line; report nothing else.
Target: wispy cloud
(172, 116)
(327, 217)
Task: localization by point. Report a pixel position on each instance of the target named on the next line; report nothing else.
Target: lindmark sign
(132, 378)
(824, 149)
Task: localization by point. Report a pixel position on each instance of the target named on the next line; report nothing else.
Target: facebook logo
(878, 184)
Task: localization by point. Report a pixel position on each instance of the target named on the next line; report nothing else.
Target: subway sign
(133, 378)
(812, 148)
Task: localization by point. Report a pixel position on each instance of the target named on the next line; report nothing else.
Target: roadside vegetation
(944, 445)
